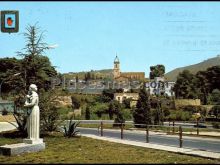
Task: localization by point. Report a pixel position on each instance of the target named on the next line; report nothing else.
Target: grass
(87, 150)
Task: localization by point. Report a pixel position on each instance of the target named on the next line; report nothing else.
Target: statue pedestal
(28, 145)
(33, 141)
(19, 148)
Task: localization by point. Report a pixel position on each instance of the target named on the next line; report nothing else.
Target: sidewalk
(214, 134)
(5, 126)
(186, 151)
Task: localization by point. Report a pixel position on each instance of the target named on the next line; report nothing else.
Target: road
(170, 140)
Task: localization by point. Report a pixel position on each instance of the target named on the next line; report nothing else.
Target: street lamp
(4, 80)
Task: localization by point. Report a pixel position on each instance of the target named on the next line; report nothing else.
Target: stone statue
(32, 143)
(33, 121)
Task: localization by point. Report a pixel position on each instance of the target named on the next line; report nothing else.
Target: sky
(142, 34)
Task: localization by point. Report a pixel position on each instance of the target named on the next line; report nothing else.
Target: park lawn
(87, 150)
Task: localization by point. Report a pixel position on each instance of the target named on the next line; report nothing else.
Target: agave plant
(71, 131)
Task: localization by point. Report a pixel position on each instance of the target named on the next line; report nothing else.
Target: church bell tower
(116, 70)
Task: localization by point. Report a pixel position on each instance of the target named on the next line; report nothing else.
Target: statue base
(20, 148)
(33, 141)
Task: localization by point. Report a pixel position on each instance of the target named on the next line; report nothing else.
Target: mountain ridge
(194, 68)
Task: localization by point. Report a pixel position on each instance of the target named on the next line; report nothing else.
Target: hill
(172, 75)
(104, 73)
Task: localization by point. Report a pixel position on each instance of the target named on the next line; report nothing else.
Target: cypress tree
(87, 116)
(142, 112)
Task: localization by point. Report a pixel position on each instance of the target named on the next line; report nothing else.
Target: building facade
(120, 97)
(158, 86)
(125, 76)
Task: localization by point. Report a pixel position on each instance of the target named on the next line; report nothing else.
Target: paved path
(5, 126)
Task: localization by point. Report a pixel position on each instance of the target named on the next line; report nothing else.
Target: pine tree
(119, 115)
(111, 110)
(87, 116)
(77, 78)
(142, 112)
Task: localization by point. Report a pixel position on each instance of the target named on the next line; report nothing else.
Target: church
(125, 76)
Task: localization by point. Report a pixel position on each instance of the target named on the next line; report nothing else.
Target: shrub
(88, 113)
(4, 112)
(99, 109)
(166, 112)
(215, 111)
(216, 125)
(49, 112)
(191, 108)
(75, 102)
(71, 131)
(127, 102)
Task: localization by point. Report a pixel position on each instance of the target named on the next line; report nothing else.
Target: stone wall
(184, 102)
(133, 75)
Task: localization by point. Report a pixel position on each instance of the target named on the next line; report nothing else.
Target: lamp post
(4, 80)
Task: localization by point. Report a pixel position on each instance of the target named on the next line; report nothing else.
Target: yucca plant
(71, 131)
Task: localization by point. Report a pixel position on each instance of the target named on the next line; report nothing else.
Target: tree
(77, 78)
(99, 109)
(185, 86)
(158, 114)
(207, 81)
(157, 71)
(127, 102)
(111, 109)
(212, 75)
(108, 94)
(119, 115)
(215, 111)
(75, 102)
(215, 97)
(35, 67)
(142, 112)
(88, 113)
(202, 85)
(8, 68)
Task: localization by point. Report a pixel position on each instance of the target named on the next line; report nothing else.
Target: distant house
(158, 86)
(120, 97)
(7, 105)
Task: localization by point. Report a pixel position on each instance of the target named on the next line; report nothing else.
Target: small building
(158, 86)
(120, 97)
